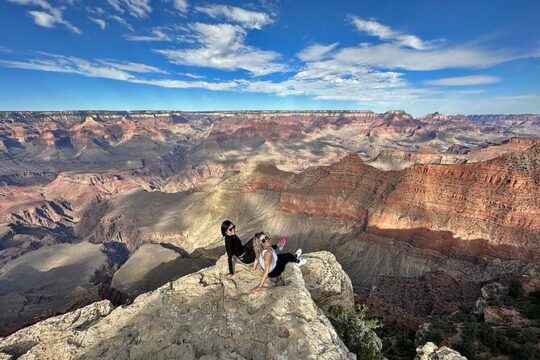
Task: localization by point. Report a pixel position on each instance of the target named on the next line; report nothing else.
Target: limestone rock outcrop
(201, 315)
(430, 351)
(328, 284)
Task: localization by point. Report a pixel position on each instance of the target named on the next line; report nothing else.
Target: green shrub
(357, 331)
(515, 289)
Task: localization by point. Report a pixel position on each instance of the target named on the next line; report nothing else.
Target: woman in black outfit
(234, 247)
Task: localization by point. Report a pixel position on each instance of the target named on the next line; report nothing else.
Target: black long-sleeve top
(234, 246)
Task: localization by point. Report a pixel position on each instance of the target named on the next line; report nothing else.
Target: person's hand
(252, 269)
(227, 276)
(256, 289)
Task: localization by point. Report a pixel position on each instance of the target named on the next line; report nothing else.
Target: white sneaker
(298, 253)
(302, 262)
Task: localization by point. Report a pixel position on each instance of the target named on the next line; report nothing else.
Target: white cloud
(384, 32)
(132, 67)
(464, 80)
(49, 17)
(193, 76)
(155, 35)
(111, 69)
(108, 69)
(5, 49)
(41, 3)
(181, 5)
(95, 10)
(316, 52)
(222, 46)
(181, 84)
(136, 8)
(116, 5)
(517, 98)
(247, 18)
(394, 56)
(43, 19)
(122, 21)
(102, 24)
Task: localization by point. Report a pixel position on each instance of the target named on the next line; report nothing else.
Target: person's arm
(228, 247)
(254, 267)
(267, 261)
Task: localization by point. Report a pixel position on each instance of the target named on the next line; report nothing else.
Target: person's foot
(298, 253)
(302, 262)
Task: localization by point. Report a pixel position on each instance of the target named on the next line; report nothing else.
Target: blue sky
(419, 56)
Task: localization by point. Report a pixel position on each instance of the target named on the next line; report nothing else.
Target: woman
(271, 263)
(234, 247)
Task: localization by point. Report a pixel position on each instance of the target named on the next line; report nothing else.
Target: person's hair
(225, 226)
(258, 243)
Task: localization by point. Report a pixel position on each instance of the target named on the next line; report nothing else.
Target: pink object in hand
(281, 243)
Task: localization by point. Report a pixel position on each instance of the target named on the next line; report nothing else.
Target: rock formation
(430, 351)
(201, 315)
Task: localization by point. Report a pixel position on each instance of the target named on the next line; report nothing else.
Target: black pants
(249, 253)
(282, 260)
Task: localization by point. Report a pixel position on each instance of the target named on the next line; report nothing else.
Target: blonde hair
(258, 243)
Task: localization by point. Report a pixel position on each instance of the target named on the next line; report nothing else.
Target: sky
(421, 56)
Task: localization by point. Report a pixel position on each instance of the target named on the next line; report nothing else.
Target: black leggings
(248, 256)
(282, 260)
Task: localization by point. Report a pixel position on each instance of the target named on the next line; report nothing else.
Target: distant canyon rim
(131, 200)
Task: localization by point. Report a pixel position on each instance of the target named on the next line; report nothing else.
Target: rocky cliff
(202, 315)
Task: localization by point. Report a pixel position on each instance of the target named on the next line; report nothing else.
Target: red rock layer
(491, 206)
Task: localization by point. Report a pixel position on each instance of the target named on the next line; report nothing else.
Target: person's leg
(282, 260)
(248, 257)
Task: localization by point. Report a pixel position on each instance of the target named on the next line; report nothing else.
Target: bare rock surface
(328, 284)
(430, 351)
(201, 315)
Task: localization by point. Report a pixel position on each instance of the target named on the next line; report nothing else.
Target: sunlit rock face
(201, 315)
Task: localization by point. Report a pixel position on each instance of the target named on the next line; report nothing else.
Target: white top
(272, 264)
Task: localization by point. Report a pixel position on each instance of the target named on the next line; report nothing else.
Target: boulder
(430, 351)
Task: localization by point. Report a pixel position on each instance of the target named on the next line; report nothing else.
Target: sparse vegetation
(469, 333)
(356, 330)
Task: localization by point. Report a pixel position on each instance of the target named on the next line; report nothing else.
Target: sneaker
(281, 243)
(298, 253)
(302, 262)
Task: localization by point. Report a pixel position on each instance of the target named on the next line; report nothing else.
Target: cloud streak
(136, 8)
(101, 23)
(114, 70)
(316, 52)
(246, 18)
(384, 32)
(155, 35)
(464, 80)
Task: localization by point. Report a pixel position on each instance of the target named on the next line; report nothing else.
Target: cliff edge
(204, 316)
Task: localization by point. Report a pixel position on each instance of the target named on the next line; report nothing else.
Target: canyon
(422, 213)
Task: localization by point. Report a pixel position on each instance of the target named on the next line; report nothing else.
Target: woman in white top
(271, 263)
